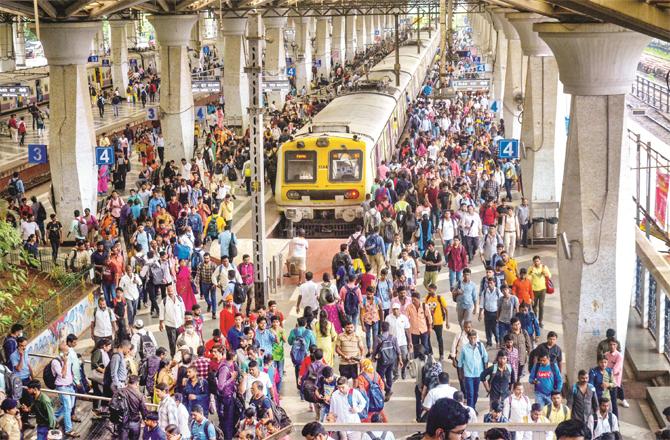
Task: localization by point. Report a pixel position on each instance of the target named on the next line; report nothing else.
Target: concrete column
(513, 97)
(379, 27)
(499, 62)
(597, 64)
(119, 56)
(195, 44)
(361, 33)
(541, 136)
(303, 62)
(235, 80)
(176, 98)
(323, 44)
(19, 43)
(339, 48)
(131, 34)
(7, 61)
(351, 40)
(275, 55)
(74, 175)
(370, 28)
(220, 39)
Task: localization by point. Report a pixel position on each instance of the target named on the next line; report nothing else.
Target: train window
(300, 166)
(345, 165)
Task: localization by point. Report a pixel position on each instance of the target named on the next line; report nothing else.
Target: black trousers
(129, 431)
(172, 339)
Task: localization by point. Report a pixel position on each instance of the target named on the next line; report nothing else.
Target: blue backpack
(299, 349)
(196, 261)
(375, 396)
(182, 252)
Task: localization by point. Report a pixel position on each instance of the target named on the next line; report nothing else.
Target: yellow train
(324, 172)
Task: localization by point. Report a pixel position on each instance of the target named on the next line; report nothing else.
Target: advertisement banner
(661, 207)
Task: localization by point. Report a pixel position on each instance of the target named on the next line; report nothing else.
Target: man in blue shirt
(546, 377)
(466, 298)
(374, 247)
(201, 428)
(226, 237)
(472, 359)
(264, 337)
(488, 299)
(19, 361)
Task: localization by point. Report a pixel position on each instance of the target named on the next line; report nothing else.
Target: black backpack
(107, 375)
(48, 375)
(232, 248)
(350, 301)
(388, 234)
(119, 412)
(13, 189)
(232, 174)
(386, 353)
(355, 246)
(239, 294)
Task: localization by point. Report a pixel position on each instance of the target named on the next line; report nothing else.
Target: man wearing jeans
(488, 298)
(203, 281)
(457, 259)
(64, 382)
(472, 359)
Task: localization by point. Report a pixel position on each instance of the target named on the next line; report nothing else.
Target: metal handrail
(48, 356)
(84, 396)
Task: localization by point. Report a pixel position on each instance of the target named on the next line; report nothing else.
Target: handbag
(549, 285)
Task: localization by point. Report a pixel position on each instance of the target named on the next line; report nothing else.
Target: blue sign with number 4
(508, 148)
(104, 156)
(37, 153)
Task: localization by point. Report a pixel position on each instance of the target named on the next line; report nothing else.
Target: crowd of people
(444, 201)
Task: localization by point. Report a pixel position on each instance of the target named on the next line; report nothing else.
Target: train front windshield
(300, 166)
(345, 165)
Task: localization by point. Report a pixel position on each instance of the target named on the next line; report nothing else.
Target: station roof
(651, 17)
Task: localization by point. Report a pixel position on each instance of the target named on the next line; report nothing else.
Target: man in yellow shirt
(438, 307)
(556, 411)
(538, 274)
(510, 268)
(226, 209)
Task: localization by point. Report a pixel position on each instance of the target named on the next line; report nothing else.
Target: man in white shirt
(103, 323)
(309, 294)
(471, 225)
(136, 339)
(399, 327)
(345, 404)
(517, 406)
(606, 421)
(29, 227)
(130, 283)
(297, 255)
(439, 392)
(447, 228)
(254, 374)
(171, 317)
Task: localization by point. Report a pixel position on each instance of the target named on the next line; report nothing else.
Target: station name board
(14, 91)
(471, 84)
(200, 86)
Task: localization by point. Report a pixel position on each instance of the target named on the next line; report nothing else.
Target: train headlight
(293, 195)
(351, 194)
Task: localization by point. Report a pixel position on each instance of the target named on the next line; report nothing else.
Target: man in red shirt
(13, 128)
(457, 259)
(227, 315)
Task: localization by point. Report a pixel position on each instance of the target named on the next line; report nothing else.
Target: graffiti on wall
(76, 321)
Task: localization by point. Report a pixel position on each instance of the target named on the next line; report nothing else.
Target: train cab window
(346, 165)
(300, 166)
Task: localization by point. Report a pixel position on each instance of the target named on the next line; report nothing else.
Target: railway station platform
(607, 255)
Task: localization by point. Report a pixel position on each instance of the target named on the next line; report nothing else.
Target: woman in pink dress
(184, 287)
(103, 179)
(333, 309)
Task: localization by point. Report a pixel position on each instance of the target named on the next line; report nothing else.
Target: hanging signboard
(471, 84)
(204, 86)
(14, 91)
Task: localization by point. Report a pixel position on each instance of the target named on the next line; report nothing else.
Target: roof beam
(537, 6)
(115, 7)
(164, 6)
(635, 15)
(76, 7)
(185, 4)
(48, 8)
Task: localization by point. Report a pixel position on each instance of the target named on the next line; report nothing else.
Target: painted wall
(76, 320)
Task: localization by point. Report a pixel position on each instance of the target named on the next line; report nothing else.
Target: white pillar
(499, 62)
(119, 56)
(74, 175)
(176, 98)
(19, 42)
(370, 28)
(350, 37)
(275, 55)
(323, 43)
(303, 62)
(513, 96)
(339, 48)
(220, 39)
(235, 80)
(194, 45)
(361, 34)
(541, 137)
(597, 64)
(131, 34)
(7, 61)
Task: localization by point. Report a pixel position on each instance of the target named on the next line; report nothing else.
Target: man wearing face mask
(190, 338)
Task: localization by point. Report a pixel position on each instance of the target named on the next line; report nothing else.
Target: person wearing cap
(10, 421)
(399, 328)
(151, 429)
(140, 336)
(446, 420)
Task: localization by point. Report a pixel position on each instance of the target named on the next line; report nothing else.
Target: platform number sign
(104, 156)
(152, 114)
(508, 148)
(37, 153)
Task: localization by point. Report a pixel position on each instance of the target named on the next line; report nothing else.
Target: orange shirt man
(523, 288)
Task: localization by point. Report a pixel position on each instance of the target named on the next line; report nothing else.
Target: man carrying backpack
(498, 379)
(16, 188)
(374, 248)
(127, 410)
(473, 360)
(372, 386)
(387, 354)
(300, 339)
(387, 229)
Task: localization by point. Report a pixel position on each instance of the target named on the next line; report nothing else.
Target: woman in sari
(184, 286)
(103, 180)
